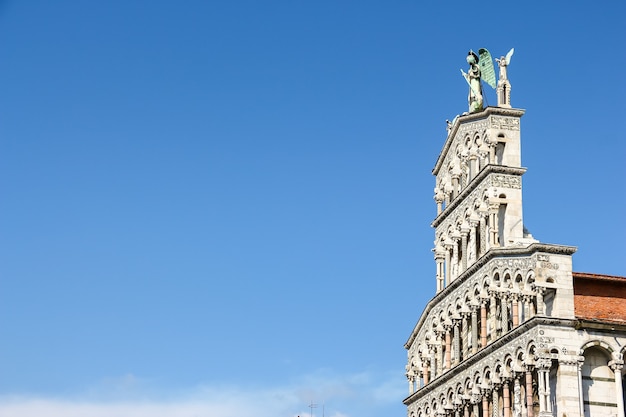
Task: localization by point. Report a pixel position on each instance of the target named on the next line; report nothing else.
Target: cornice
(469, 118)
(599, 324)
(483, 260)
(484, 173)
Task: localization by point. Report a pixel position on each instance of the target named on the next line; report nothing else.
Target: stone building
(511, 330)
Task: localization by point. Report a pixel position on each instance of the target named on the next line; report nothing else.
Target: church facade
(512, 331)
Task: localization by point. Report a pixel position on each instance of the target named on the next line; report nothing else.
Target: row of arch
(463, 239)
(525, 383)
(471, 155)
(475, 315)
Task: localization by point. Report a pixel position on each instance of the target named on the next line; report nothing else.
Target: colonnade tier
(517, 376)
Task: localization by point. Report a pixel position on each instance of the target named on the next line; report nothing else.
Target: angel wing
(485, 63)
(508, 56)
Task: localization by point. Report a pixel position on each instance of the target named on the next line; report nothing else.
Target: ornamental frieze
(544, 341)
(548, 265)
(479, 126)
(515, 263)
(506, 181)
(506, 123)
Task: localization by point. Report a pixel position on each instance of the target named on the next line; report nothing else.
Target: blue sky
(223, 208)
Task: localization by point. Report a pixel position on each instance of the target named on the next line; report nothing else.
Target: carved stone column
(616, 366)
(485, 393)
(448, 328)
(465, 336)
(543, 379)
(475, 406)
(506, 398)
(515, 312)
(448, 244)
(464, 235)
(495, 409)
(456, 237)
(475, 330)
(517, 397)
(439, 351)
(529, 391)
(492, 315)
(410, 376)
(581, 404)
(483, 236)
(541, 388)
(440, 257)
(456, 343)
(411, 379)
(425, 370)
(432, 349)
(483, 323)
(439, 198)
(471, 242)
(504, 311)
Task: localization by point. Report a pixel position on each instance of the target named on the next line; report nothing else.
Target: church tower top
(478, 186)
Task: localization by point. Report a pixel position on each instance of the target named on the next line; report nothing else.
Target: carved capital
(616, 365)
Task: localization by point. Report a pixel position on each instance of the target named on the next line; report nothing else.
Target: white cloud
(362, 395)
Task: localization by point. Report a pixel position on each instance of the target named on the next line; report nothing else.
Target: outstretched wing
(485, 62)
(508, 56)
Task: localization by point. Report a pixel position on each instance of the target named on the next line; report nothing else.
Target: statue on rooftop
(481, 69)
(504, 86)
(475, 96)
(504, 62)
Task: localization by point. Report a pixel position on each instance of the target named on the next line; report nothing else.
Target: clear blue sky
(222, 208)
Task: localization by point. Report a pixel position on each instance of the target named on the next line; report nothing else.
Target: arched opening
(500, 149)
(598, 383)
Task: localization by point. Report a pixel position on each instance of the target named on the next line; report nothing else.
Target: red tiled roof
(599, 297)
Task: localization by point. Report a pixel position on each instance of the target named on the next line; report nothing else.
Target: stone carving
(503, 63)
(504, 86)
(517, 399)
(505, 123)
(477, 127)
(548, 265)
(524, 264)
(507, 181)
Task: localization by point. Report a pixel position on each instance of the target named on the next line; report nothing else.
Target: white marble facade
(500, 337)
